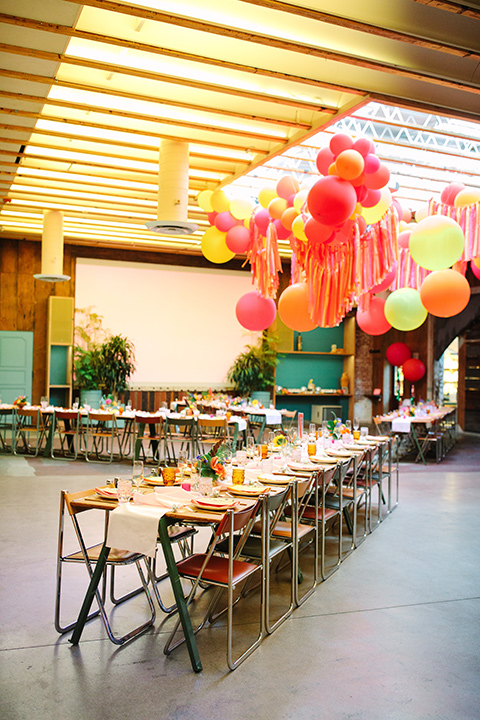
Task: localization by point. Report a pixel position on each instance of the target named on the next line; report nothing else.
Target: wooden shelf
(311, 352)
(313, 395)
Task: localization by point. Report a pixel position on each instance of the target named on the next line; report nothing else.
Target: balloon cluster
(229, 233)
(400, 355)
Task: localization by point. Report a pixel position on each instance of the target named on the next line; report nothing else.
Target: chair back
(66, 414)
(235, 520)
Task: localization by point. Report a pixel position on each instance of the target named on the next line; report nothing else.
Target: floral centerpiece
(20, 401)
(211, 464)
(336, 428)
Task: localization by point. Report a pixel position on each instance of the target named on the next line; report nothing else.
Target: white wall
(181, 320)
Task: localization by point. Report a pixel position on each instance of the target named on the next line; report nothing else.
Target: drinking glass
(250, 446)
(312, 449)
(363, 432)
(292, 434)
(124, 491)
(137, 473)
(356, 423)
(182, 462)
(312, 429)
(205, 486)
(348, 425)
(44, 403)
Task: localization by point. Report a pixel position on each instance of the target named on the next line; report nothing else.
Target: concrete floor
(393, 635)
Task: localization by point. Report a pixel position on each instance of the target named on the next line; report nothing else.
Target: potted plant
(117, 363)
(254, 369)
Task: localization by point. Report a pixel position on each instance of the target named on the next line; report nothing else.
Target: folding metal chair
(7, 429)
(68, 429)
(149, 429)
(316, 512)
(88, 555)
(210, 431)
(30, 426)
(226, 571)
(180, 432)
(100, 437)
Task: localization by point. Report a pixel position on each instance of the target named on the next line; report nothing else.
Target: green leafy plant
(254, 369)
(117, 363)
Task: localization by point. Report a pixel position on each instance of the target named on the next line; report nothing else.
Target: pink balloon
(450, 192)
(372, 198)
(254, 312)
(372, 163)
(342, 234)
(387, 280)
(291, 199)
(378, 179)
(316, 232)
(373, 320)
(340, 142)
(238, 239)
(364, 146)
(286, 186)
(475, 270)
(331, 200)
(361, 193)
(282, 232)
(397, 353)
(224, 221)
(324, 159)
(262, 220)
(404, 238)
(413, 369)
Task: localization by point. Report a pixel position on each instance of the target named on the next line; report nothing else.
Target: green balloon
(404, 309)
(437, 242)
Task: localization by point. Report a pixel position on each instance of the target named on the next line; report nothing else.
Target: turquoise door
(16, 365)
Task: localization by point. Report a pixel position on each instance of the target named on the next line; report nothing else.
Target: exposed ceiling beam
(465, 8)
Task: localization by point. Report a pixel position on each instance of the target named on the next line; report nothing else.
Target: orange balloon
(293, 308)
(277, 207)
(288, 216)
(445, 293)
(476, 262)
(350, 164)
(332, 170)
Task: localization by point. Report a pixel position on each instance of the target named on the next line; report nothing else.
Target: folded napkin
(164, 497)
(135, 528)
(108, 492)
(401, 425)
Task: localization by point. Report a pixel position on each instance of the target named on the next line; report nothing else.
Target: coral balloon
(340, 142)
(204, 200)
(238, 239)
(281, 230)
(318, 233)
(286, 186)
(293, 308)
(362, 224)
(288, 217)
(277, 207)
(266, 195)
(364, 146)
(413, 369)
(331, 200)
(255, 312)
(450, 192)
(387, 280)
(404, 238)
(324, 159)
(350, 164)
(445, 293)
(404, 309)
(241, 208)
(375, 213)
(373, 320)
(262, 220)
(469, 196)
(407, 215)
(437, 242)
(371, 198)
(224, 221)
(220, 201)
(378, 179)
(397, 353)
(298, 229)
(214, 246)
(475, 270)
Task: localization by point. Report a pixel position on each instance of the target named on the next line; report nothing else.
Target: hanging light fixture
(52, 248)
(172, 209)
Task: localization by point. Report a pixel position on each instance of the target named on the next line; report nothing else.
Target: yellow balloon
(240, 208)
(374, 214)
(298, 229)
(203, 200)
(436, 243)
(421, 213)
(266, 195)
(404, 309)
(469, 196)
(220, 201)
(214, 246)
(300, 199)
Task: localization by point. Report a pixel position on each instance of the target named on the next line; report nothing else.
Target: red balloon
(413, 369)
(378, 179)
(445, 293)
(450, 192)
(262, 220)
(224, 221)
(340, 142)
(362, 224)
(282, 232)
(324, 159)
(397, 353)
(373, 320)
(372, 198)
(238, 239)
(403, 239)
(361, 193)
(372, 163)
(387, 280)
(211, 217)
(364, 146)
(255, 312)
(331, 200)
(316, 232)
(293, 308)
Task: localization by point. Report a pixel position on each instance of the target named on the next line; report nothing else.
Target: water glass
(205, 486)
(137, 473)
(250, 446)
(238, 475)
(312, 429)
(124, 491)
(356, 423)
(363, 432)
(44, 403)
(182, 462)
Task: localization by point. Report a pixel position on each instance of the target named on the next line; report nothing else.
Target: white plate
(211, 503)
(324, 459)
(338, 453)
(269, 479)
(247, 490)
(303, 467)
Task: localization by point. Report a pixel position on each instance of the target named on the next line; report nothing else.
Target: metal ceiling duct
(52, 248)
(172, 209)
